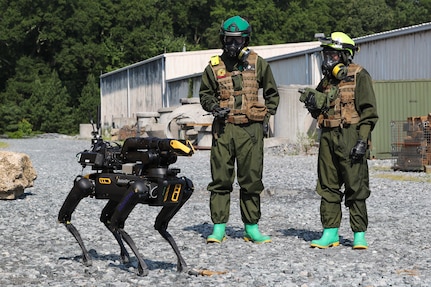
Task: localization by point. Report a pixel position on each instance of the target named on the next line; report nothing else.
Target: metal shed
(162, 81)
(398, 61)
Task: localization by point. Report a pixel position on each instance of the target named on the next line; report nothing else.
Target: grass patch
(402, 177)
(381, 168)
(3, 145)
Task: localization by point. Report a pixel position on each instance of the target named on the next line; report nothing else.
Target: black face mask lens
(233, 45)
(234, 41)
(331, 56)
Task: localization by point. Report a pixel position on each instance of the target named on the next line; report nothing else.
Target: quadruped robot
(136, 172)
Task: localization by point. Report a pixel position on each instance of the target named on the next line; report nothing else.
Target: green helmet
(235, 27)
(339, 41)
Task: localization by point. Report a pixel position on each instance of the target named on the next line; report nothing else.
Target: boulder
(16, 174)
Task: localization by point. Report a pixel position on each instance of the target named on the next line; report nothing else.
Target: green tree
(9, 118)
(305, 18)
(65, 45)
(48, 107)
(407, 13)
(19, 89)
(365, 17)
(88, 101)
(189, 20)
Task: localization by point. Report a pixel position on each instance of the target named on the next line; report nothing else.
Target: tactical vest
(251, 109)
(342, 110)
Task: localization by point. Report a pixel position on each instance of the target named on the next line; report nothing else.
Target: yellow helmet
(338, 41)
(338, 51)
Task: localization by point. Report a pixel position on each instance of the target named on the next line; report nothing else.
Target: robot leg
(82, 188)
(166, 214)
(122, 211)
(105, 217)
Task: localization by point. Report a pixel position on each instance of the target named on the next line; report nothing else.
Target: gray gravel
(39, 251)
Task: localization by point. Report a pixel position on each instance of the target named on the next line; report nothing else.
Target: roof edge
(394, 33)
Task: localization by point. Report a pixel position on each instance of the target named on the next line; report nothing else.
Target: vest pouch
(256, 111)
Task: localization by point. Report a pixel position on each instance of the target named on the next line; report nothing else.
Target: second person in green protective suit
(344, 105)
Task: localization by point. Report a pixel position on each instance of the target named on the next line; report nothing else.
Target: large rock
(16, 174)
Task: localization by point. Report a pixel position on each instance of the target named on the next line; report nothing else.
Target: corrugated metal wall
(146, 86)
(299, 69)
(131, 90)
(176, 90)
(291, 70)
(396, 101)
(114, 97)
(181, 88)
(398, 62)
(292, 121)
(404, 57)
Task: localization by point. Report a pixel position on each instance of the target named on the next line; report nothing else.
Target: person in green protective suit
(344, 105)
(229, 90)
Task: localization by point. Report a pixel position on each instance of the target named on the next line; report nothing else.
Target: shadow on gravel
(25, 194)
(308, 235)
(206, 229)
(116, 262)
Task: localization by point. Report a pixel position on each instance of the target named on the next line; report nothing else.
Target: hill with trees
(53, 52)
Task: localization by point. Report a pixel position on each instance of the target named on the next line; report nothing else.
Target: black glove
(358, 151)
(220, 113)
(265, 129)
(314, 101)
(308, 97)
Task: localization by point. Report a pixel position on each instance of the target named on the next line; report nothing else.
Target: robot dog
(136, 172)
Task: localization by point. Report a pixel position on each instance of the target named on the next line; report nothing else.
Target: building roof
(182, 64)
(394, 33)
(190, 63)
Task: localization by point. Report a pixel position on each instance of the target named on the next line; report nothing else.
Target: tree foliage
(52, 52)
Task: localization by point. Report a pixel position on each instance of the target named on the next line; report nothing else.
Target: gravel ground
(39, 251)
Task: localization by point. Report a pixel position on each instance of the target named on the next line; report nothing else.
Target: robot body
(136, 173)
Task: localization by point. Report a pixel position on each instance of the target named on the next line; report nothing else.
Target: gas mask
(243, 54)
(333, 64)
(233, 46)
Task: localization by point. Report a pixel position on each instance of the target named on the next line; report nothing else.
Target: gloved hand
(358, 151)
(265, 125)
(220, 113)
(265, 129)
(312, 99)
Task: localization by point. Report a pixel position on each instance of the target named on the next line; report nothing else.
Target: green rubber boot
(218, 235)
(359, 241)
(252, 234)
(329, 238)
